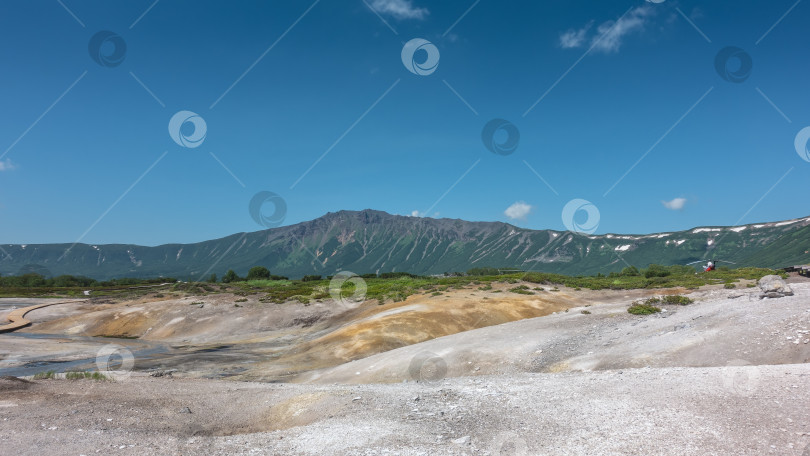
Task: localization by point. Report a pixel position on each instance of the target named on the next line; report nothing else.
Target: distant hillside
(373, 241)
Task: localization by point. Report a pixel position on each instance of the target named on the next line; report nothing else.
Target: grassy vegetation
(648, 306)
(74, 375)
(97, 376)
(666, 277)
(521, 289)
(677, 299)
(398, 286)
(36, 285)
(643, 309)
(45, 375)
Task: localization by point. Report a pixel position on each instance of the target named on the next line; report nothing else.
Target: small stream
(141, 351)
(211, 362)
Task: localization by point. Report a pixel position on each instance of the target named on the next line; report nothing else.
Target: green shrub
(320, 294)
(586, 312)
(523, 289)
(729, 286)
(258, 273)
(677, 299)
(230, 276)
(45, 375)
(643, 309)
(97, 376)
(656, 270)
(397, 275)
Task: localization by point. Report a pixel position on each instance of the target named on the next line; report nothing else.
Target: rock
(185, 410)
(773, 286)
(162, 373)
(462, 440)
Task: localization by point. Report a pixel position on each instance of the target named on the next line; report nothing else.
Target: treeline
(262, 273)
(255, 273)
(34, 280)
(655, 270)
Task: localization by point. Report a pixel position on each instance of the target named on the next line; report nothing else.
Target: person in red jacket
(709, 266)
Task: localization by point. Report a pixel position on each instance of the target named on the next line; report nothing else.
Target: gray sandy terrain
(726, 375)
(650, 411)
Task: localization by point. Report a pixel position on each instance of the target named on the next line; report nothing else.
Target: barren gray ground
(727, 375)
(664, 411)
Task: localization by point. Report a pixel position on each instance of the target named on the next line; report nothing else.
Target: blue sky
(591, 87)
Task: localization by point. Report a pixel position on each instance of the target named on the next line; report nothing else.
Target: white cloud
(518, 211)
(610, 34)
(399, 9)
(6, 165)
(674, 205)
(574, 38)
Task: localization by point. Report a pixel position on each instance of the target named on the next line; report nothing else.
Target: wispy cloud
(399, 9)
(574, 38)
(518, 210)
(676, 204)
(6, 165)
(422, 214)
(609, 35)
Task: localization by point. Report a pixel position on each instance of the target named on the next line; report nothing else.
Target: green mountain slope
(373, 241)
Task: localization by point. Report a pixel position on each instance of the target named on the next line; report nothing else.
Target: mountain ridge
(375, 241)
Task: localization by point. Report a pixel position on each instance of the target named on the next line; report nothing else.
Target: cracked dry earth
(727, 375)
